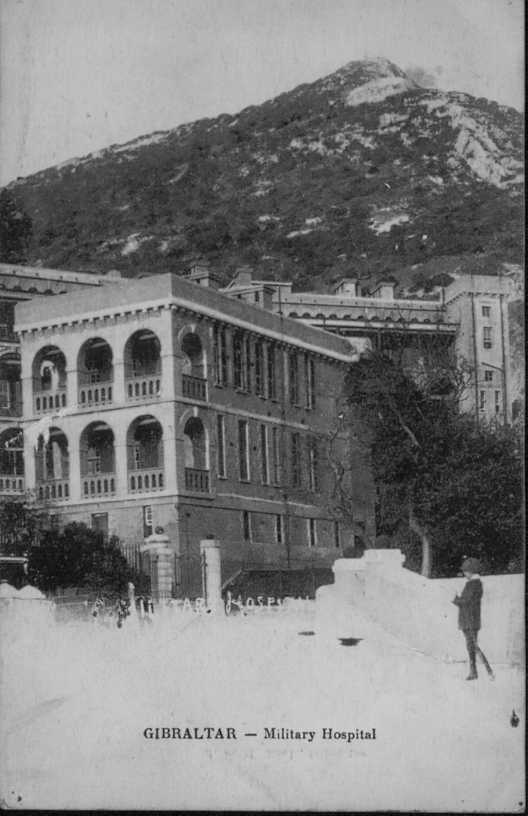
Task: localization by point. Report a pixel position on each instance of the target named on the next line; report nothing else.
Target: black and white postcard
(262, 405)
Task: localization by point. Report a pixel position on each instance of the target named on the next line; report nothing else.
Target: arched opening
(49, 380)
(145, 455)
(193, 378)
(52, 465)
(143, 365)
(10, 385)
(11, 461)
(97, 460)
(95, 372)
(196, 456)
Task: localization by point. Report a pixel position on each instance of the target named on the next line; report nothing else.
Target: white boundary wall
(419, 611)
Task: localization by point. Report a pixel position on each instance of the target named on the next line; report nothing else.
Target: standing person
(469, 615)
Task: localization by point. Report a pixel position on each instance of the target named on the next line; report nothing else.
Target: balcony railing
(46, 401)
(196, 480)
(101, 485)
(11, 409)
(53, 489)
(7, 332)
(90, 395)
(146, 480)
(143, 388)
(11, 484)
(194, 387)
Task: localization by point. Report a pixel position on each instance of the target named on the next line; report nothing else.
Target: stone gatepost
(211, 573)
(161, 564)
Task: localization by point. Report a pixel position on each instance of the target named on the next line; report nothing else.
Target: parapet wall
(419, 611)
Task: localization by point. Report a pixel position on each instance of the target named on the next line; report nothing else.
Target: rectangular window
(487, 337)
(259, 369)
(497, 402)
(247, 364)
(293, 374)
(220, 446)
(100, 524)
(279, 529)
(488, 376)
(246, 526)
(271, 372)
(337, 535)
(4, 394)
(482, 403)
(238, 366)
(275, 456)
(312, 533)
(264, 470)
(486, 311)
(313, 465)
(243, 450)
(220, 355)
(295, 452)
(94, 461)
(148, 527)
(309, 376)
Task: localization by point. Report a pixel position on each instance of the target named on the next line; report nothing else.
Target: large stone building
(471, 317)
(164, 401)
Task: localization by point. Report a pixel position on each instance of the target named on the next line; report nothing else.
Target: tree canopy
(79, 557)
(75, 556)
(441, 478)
(15, 230)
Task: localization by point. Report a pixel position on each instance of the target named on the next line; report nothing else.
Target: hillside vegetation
(361, 171)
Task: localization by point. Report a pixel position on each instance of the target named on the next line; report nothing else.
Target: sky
(79, 75)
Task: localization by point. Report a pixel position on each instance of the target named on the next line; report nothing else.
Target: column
(74, 456)
(118, 386)
(169, 453)
(72, 390)
(211, 572)
(28, 406)
(120, 453)
(161, 561)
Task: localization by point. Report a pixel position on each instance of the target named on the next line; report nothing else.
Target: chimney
(384, 290)
(244, 275)
(203, 276)
(346, 287)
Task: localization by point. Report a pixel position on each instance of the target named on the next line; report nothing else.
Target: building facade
(167, 402)
(159, 403)
(470, 318)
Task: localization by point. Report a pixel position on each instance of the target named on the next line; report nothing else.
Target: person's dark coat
(469, 605)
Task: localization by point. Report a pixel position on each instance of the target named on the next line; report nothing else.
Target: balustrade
(10, 484)
(194, 387)
(197, 480)
(146, 480)
(11, 409)
(91, 395)
(46, 401)
(58, 489)
(98, 485)
(142, 388)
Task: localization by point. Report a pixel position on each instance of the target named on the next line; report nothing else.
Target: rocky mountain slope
(361, 171)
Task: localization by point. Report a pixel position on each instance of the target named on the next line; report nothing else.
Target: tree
(73, 557)
(455, 485)
(15, 230)
(80, 557)
(20, 527)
